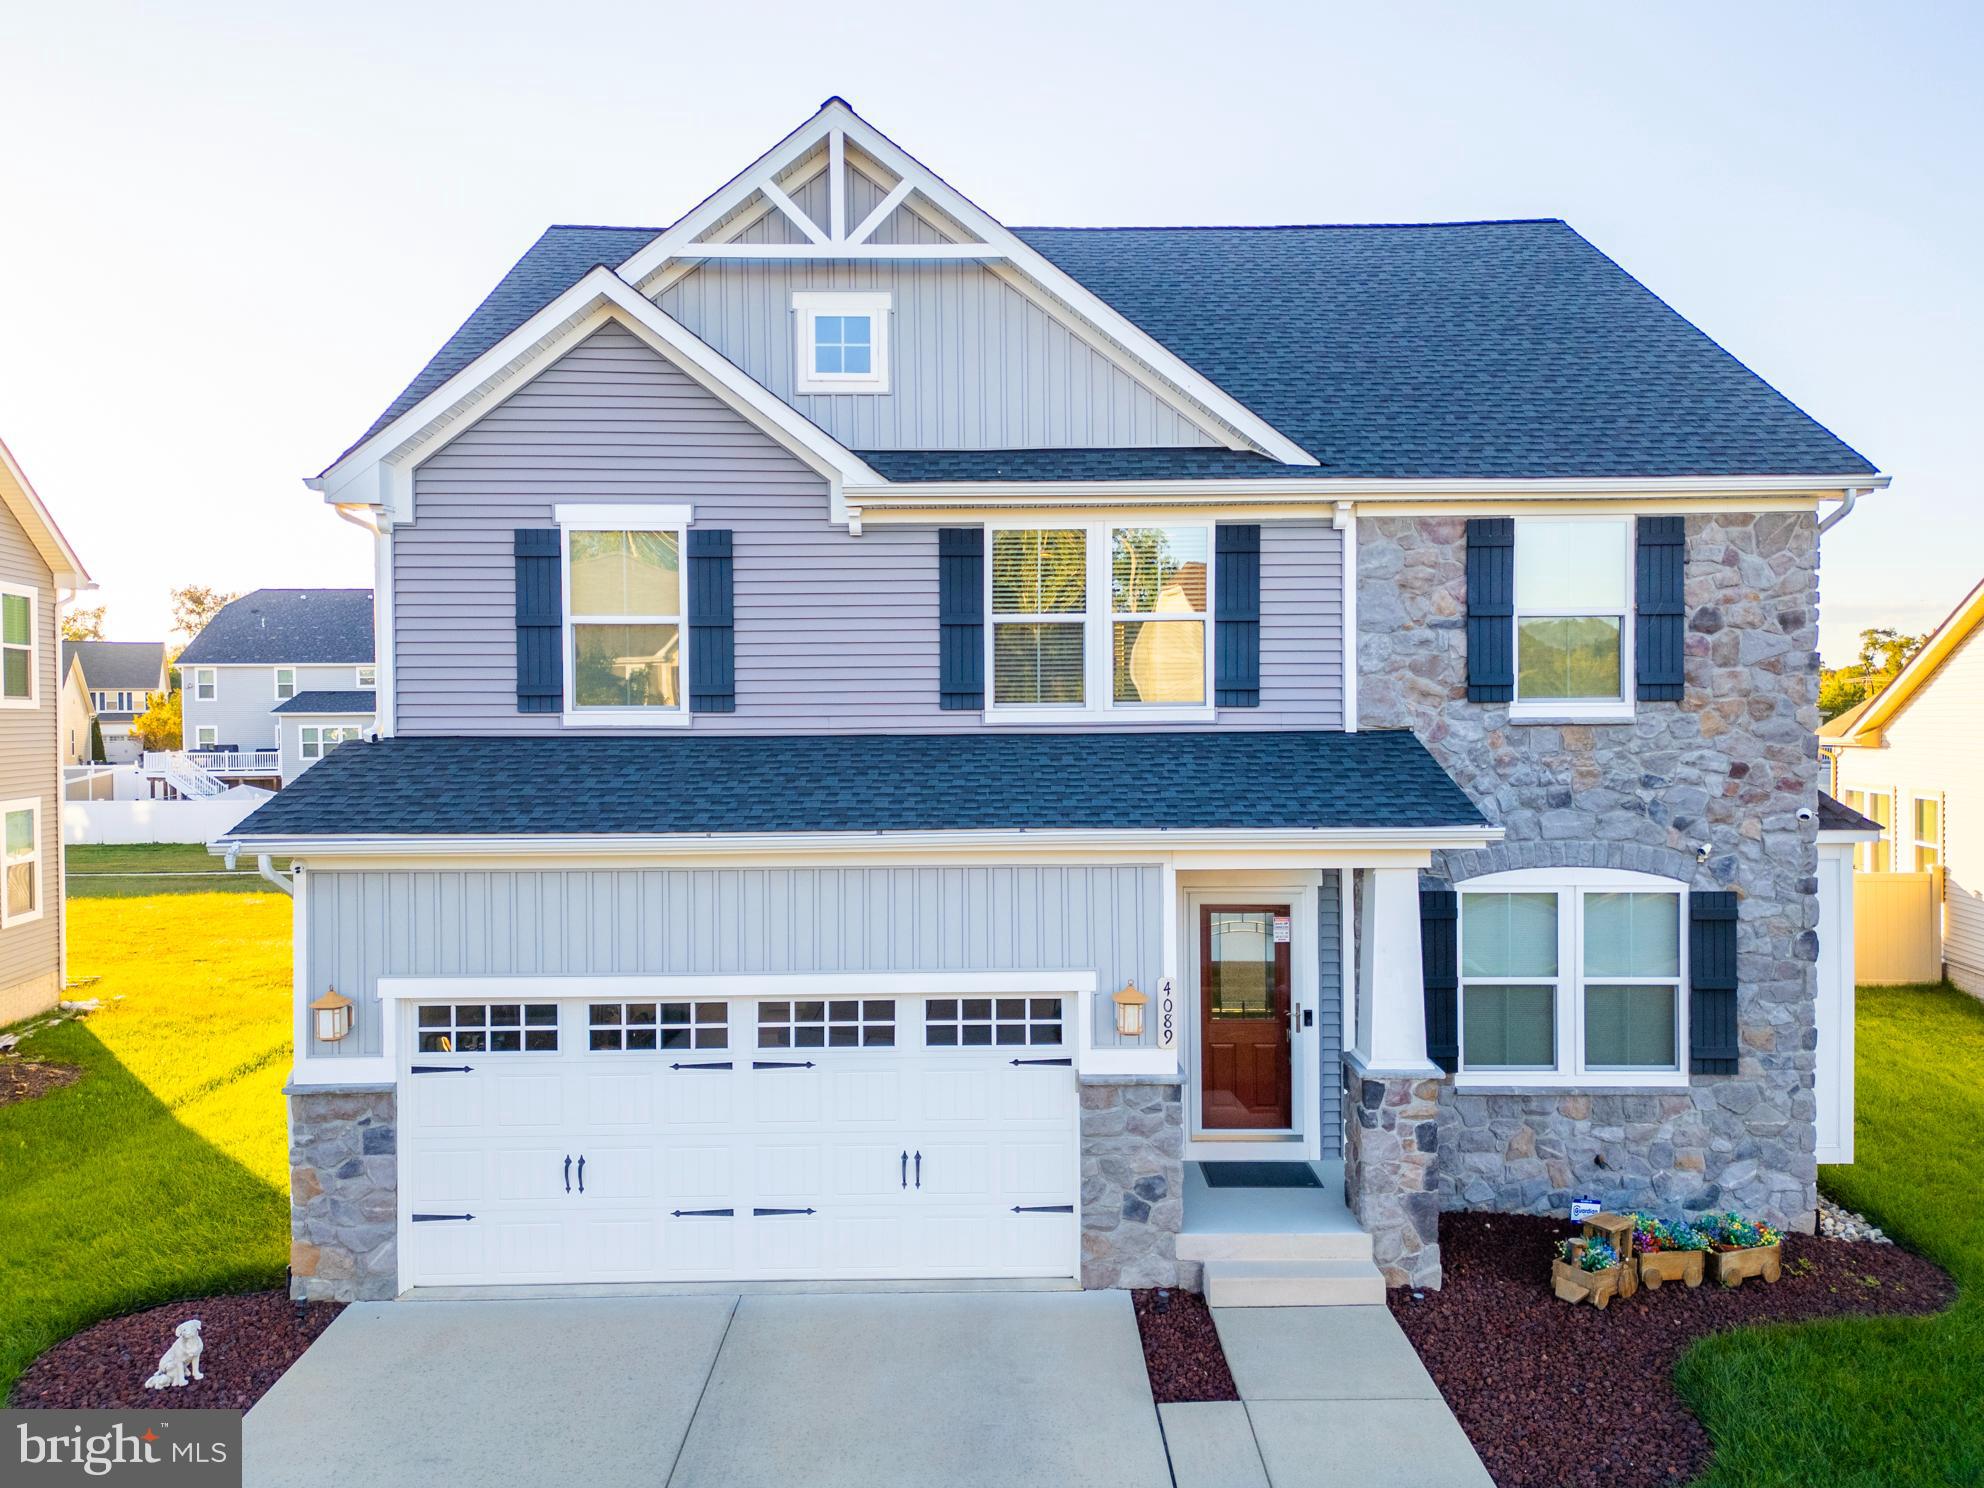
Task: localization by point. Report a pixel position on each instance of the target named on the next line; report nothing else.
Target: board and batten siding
(833, 633)
(1930, 748)
(30, 952)
(726, 921)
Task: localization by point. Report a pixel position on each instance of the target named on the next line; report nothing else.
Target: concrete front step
(1348, 1244)
(1297, 1283)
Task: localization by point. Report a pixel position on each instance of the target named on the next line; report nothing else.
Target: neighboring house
(261, 652)
(38, 572)
(312, 724)
(1908, 758)
(121, 676)
(916, 748)
(77, 712)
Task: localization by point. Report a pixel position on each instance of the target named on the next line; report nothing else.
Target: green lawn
(120, 871)
(163, 1172)
(1893, 1401)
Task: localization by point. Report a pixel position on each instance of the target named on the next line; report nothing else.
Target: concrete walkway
(866, 1391)
(1329, 1396)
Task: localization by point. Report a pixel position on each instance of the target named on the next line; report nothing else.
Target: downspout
(385, 694)
(265, 865)
(1832, 519)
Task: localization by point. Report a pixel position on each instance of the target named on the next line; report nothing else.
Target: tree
(1884, 651)
(160, 725)
(194, 605)
(97, 756)
(84, 625)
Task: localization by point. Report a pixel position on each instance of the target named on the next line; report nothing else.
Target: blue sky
(229, 233)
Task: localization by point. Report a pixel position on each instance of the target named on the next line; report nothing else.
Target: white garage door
(749, 1139)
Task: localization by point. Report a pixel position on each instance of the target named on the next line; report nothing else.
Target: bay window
(624, 614)
(1572, 975)
(1573, 616)
(1100, 618)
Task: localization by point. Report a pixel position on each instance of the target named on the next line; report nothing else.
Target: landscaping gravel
(1837, 1222)
(249, 1341)
(1181, 1348)
(1554, 1395)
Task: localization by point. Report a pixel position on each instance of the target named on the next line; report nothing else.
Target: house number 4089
(1167, 1015)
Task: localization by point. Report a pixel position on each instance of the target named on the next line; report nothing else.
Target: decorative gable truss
(837, 188)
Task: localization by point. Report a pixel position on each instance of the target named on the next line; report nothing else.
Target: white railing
(217, 761)
(184, 773)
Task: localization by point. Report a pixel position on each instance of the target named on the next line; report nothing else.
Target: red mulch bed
(1181, 1348)
(1509, 1357)
(249, 1341)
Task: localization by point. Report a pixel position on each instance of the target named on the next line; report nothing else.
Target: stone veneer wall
(1391, 1172)
(1133, 1183)
(343, 1195)
(1731, 764)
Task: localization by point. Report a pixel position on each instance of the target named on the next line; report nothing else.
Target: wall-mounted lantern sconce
(332, 1013)
(1130, 1011)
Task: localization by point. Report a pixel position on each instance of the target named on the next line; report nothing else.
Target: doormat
(1260, 1175)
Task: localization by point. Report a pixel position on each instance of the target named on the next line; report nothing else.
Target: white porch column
(1391, 990)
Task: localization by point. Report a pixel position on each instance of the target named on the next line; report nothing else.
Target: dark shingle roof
(1837, 816)
(287, 627)
(113, 666)
(1237, 779)
(1477, 349)
(350, 700)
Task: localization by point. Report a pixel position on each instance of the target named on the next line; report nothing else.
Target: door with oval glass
(1245, 1067)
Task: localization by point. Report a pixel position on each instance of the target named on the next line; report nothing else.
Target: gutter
(264, 864)
(1849, 498)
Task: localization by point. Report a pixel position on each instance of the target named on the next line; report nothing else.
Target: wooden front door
(1244, 1072)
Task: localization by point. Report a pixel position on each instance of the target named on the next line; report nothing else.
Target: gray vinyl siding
(244, 697)
(29, 770)
(727, 921)
(1329, 1013)
(833, 633)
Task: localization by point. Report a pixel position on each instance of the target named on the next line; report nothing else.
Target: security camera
(1805, 813)
(372, 737)
(1702, 850)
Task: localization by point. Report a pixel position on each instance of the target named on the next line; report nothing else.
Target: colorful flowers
(1655, 1235)
(1730, 1231)
(1588, 1255)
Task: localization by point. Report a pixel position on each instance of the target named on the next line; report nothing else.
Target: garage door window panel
(833, 1023)
(488, 1028)
(992, 1022)
(636, 1027)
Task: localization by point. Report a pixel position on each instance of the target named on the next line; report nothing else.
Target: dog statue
(183, 1355)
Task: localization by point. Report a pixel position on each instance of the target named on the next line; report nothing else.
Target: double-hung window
(1573, 617)
(20, 889)
(314, 741)
(843, 342)
(285, 683)
(1879, 855)
(1572, 976)
(205, 736)
(1100, 619)
(203, 684)
(625, 624)
(1928, 833)
(17, 627)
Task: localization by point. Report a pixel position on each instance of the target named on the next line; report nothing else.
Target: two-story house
(916, 748)
(276, 680)
(38, 572)
(121, 678)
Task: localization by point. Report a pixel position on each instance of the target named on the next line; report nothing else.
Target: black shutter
(1236, 631)
(1712, 983)
(1659, 598)
(1439, 954)
(540, 622)
(712, 629)
(1491, 608)
(961, 617)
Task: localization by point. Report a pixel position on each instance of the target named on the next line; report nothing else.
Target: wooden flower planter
(1575, 1285)
(1685, 1266)
(1733, 1267)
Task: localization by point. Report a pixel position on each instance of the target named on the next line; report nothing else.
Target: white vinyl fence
(158, 821)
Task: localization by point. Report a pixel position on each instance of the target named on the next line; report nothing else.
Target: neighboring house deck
(121, 678)
(1908, 758)
(913, 748)
(36, 566)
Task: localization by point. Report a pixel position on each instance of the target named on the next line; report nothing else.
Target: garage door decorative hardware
(1043, 1208)
(701, 1213)
(919, 1170)
(723, 1064)
(582, 1173)
(764, 1213)
(568, 1172)
(905, 1170)
(432, 1218)
(442, 1069)
(1043, 1061)
(781, 1064)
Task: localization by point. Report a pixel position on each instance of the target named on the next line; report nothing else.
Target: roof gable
(117, 665)
(25, 505)
(287, 627)
(1944, 642)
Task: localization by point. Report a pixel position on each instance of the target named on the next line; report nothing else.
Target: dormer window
(843, 342)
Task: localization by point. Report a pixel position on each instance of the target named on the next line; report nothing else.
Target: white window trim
(362, 673)
(1580, 710)
(1915, 840)
(206, 684)
(33, 699)
(206, 735)
(1570, 1072)
(627, 518)
(275, 675)
(807, 305)
(1865, 854)
(7, 808)
(1097, 619)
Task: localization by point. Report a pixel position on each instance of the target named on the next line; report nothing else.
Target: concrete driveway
(867, 1390)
